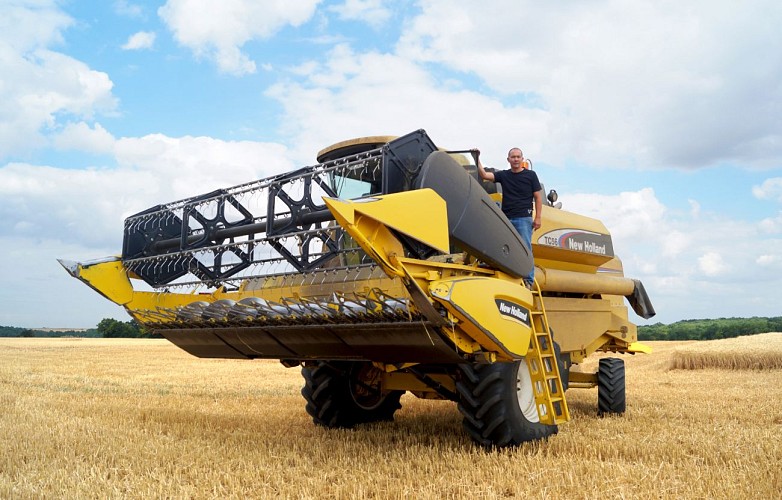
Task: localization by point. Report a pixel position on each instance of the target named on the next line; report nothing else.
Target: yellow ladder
(543, 368)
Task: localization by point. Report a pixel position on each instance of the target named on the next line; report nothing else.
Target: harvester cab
(385, 268)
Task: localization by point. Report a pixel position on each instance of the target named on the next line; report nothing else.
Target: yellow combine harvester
(385, 268)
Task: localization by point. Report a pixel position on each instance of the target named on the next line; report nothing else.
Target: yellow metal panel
(342, 210)
(496, 313)
(420, 214)
(639, 347)
(109, 278)
(370, 234)
(612, 266)
(576, 323)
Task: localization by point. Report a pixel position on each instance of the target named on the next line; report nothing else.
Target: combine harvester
(385, 268)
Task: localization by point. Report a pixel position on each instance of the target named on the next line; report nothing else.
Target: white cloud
(76, 206)
(628, 215)
(674, 243)
(630, 83)
(771, 189)
(44, 88)
(361, 94)
(28, 25)
(124, 8)
(41, 87)
(305, 69)
(140, 40)
(711, 264)
(770, 262)
(186, 166)
(372, 12)
(81, 137)
(218, 30)
(771, 225)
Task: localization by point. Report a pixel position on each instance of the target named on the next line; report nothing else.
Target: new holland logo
(512, 310)
(578, 241)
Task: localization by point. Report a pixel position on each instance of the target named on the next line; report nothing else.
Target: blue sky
(663, 119)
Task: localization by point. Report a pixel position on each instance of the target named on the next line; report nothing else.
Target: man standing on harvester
(520, 186)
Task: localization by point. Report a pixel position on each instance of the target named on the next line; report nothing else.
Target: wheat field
(108, 418)
(758, 352)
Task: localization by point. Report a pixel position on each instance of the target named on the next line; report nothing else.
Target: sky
(661, 118)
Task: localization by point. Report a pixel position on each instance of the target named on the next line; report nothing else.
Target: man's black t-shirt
(517, 190)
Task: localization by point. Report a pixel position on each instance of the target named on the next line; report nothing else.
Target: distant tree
(112, 328)
(10, 331)
(27, 333)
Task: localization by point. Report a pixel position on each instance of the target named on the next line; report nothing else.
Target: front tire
(611, 387)
(498, 405)
(344, 394)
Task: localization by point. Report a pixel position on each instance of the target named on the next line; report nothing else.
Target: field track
(104, 418)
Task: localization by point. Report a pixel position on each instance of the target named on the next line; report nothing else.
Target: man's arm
(538, 195)
(487, 176)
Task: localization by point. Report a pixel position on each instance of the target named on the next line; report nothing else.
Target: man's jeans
(524, 226)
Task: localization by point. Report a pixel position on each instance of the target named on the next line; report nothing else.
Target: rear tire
(611, 386)
(344, 394)
(498, 405)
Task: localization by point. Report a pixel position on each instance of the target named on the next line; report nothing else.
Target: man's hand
(538, 197)
(487, 176)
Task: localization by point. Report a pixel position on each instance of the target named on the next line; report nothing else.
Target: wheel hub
(525, 394)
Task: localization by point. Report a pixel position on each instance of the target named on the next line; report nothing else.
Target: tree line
(107, 328)
(15, 331)
(709, 329)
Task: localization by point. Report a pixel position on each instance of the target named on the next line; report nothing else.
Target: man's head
(516, 159)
